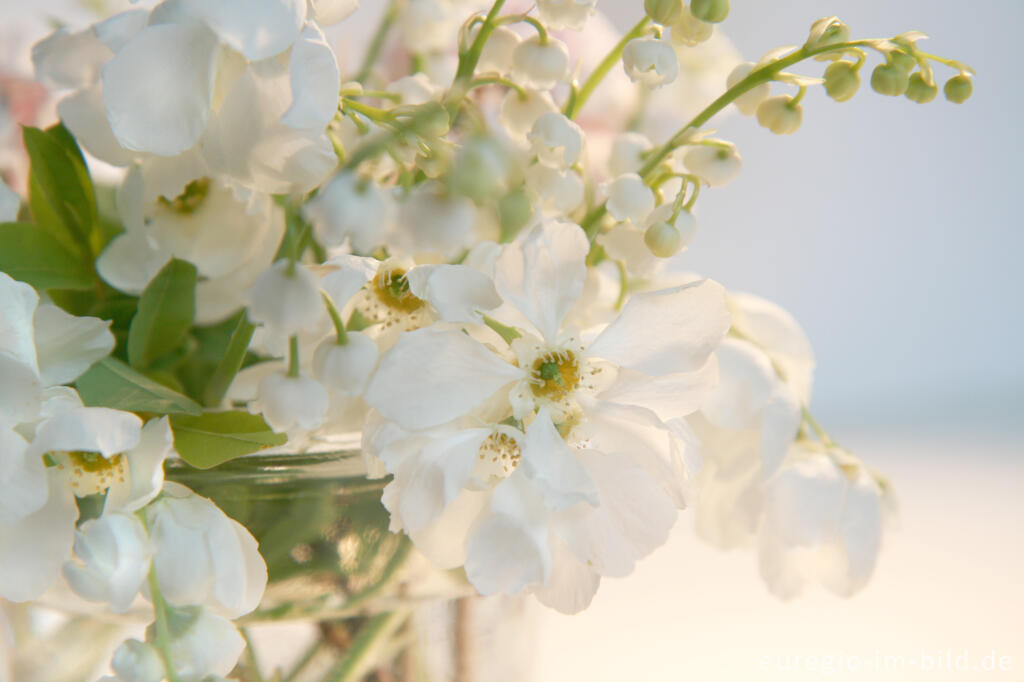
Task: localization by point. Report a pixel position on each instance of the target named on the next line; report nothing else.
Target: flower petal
(315, 81)
(90, 429)
(23, 488)
(667, 331)
(432, 376)
(85, 115)
(746, 380)
(257, 28)
(157, 88)
(669, 396)
(553, 468)
(145, 468)
(130, 262)
(543, 274)
(572, 584)
(18, 303)
(69, 60)
(67, 345)
(458, 292)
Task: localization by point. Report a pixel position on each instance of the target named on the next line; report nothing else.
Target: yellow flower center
(91, 472)
(190, 199)
(392, 288)
(500, 452)
(555, 374)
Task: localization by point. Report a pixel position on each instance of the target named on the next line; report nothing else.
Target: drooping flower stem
(371, 635)
(575, 104)
(377, 42)
(293, 357)
(470, 58)
(339, 324)
(161, 627)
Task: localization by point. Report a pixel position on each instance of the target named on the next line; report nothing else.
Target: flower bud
(920, 91)
(841, 80)
(497, 53)
(559, 14)
(629, 198)
(688, 30)
(748, 102)
(902, 61)
(958, 88)
(542, 64)
(650, 61)
(712, 11)
(827, 31)
(345, 369)
(627, 153)
(136, 661)
(780, 114)
(557, 191)
(519, 113)
(480, 169)
(716, 165)
(556, 140)
(666, 237)
(888, 79)
(663, 11)
(286, 298)
(514, 213)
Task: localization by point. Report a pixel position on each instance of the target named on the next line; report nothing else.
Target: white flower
(556, 140)
(682, 229)
(558, 191)
(780, 114)
(329, 12)
(650, 61)
(350, 207)
(415, 89)
(688, 30)
(113, 555)
(136, 661)
(519, 112)
(748, 102)
(629, 198)
(558, 14)
(345, 368)
(286, 298)
(497, 52)
(541, 64)
(716, 165)
(288, 402)
(205, 644)
(435, 222)
(823, 520)
(627, 153)
(203, 557)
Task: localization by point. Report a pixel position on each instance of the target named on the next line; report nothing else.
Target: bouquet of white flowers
(462, 253)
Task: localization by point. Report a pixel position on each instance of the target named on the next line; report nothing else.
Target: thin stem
(573, 107)
(372, 633)
(823, 436)
(293, 357)
(542, 33)
(509, 334)
(498, 80)
(339, 325)
(623, 284)
(163, 633)
(250, 655)
(373, 113)
(377, 42)
(301, 664)
(470, 58)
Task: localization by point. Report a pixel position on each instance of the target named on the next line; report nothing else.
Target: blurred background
(892, 231)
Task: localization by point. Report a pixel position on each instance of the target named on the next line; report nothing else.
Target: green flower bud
(902, 61)
(663, 11)
(514, 213)
(827, 31)
(480, 169)
(663, 240)
(711, 11)
(780, 114)
(890, 80)
(958, 88)
(920, 91)
(841, 80)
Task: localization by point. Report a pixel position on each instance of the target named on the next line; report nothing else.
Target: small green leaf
(30, 254)
(60, 191)
(111, 383)
(165, 313)
(213, 438)
(230, 362)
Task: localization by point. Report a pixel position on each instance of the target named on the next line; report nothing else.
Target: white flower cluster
(453, 262)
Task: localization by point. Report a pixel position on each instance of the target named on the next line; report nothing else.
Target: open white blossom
(650, 61)
(541, 64)
(629, 198)
(556, 140)
(557, 14)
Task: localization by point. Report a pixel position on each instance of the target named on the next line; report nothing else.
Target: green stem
(509, 334)
(293, 357)
(823, 436)
(470, 58)
(573, 107)
(372, 633)
(370, 112)
(163, 633)
(498, 80)
(377, 42)
(250, 655)
(308, 656)
(339, 325)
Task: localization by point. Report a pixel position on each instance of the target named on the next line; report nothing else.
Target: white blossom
(716, 165)
(556, 140)
(650, 61)
(627, 153)
(112, 555)
(558, 14)
(541, 64)
(629, 198)
(748, 102)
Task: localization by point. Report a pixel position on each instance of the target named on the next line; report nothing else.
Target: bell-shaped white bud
(629, 198)
(541, 64)
(288, 402)
(112, 556)
(748, 102)
(556, 140)
(497, 53)
(520, 111)
(559, 14)
(415, 89)
(286, 298)
(780, 114)
(666, 236)
(650, 61)
(350, 207)
(627, 153)
(716, 165)
(557, 191)
(346, 368)
(136, 661)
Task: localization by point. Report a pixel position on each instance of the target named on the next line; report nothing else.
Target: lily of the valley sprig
(460, 249)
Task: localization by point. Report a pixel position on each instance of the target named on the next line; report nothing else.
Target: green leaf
(61, 194)
(230, 362)
(213, 438)
(31, 255)
(111, 383)
(165, 313)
